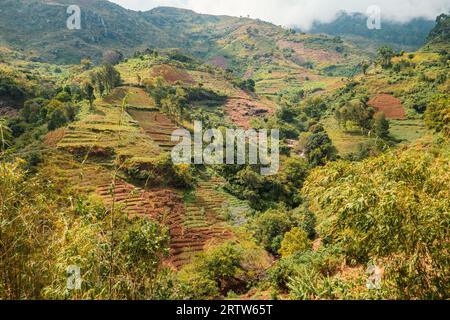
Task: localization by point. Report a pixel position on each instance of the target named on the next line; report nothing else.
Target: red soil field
(307, 54)
(389, 105)
(163, 205)
(157, 126)
(241, 111)
(54, 137)
(219, 61)
(172, 74)
(167, 207)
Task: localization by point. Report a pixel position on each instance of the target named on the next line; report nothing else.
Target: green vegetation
(366, 209)
(119, 258)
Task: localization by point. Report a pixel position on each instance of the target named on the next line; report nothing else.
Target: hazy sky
(299, 12)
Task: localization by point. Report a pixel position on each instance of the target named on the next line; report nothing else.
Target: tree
(57, 120)
(295, 241)
(105, 79)
(86, 63)
(381, 125)
(319, 149)
(175, 104)
(248, 85)
(364, 66)
(89, 92)
(356, 112)
(143, 247)
(314, 107)
(31, 111)
(386, 54)
(271, 226)
(63, 96)
(112, 57)
(229, 266)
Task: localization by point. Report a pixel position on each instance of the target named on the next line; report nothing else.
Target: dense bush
(295, 241)
(160, 171)
(10, 90)
(227, 267)
(264, 192)
(271, 226)
(119, 258)
(393, 208)
(324, 262)
(319, 148)
(437, 115)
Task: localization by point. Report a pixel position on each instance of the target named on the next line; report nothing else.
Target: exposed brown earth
(242, 110)
(219, 61)
(389, 105)
(192, 226)
(157, 126)
(315, 55)
(54, 137)
(172, 74)
(167, 207)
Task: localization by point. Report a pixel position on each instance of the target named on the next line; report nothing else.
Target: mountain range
(39, 27)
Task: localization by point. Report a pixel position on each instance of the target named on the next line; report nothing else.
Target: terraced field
(190, 229)
(191, 226)
(106, 132)
(205, 219)
(389, 105)
(408, 131)
(84, 159)
(241, 111)
(345, 142)
(136, 97)
(213, 206)
(315, 55)
(158, 126)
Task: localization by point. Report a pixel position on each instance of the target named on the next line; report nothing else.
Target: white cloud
(301, 13)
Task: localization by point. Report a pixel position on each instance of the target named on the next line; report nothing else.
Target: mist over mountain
(300, 13)
(407, 36)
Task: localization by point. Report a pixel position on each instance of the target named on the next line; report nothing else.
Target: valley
(87, 177)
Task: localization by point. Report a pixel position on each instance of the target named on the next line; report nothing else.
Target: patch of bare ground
(304, 53)
(242, 110)
(166, 206)
(157, 126)
(172, 74)
(389, 105)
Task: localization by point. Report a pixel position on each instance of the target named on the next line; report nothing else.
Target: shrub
(393, 207)
(324, 263)
(270, 227)
(160, 171)
(295, 241)
(319, 149)
(381, 125)
(437, 115)
(229, 267)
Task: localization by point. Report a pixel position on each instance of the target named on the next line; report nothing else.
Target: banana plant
(5, 134)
